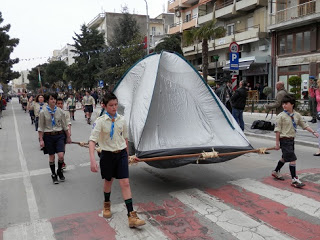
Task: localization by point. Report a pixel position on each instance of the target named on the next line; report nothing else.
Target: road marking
(31, 199)
(235, 222)
(287, 198)
(119, 222)
(36, 230)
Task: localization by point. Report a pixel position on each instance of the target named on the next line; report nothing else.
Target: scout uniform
(88, 102)
(37, 108)
(71, 103)
(53, 124)
(24, 102)
(30, 107)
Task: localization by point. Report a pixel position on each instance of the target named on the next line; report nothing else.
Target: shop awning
(244, 63)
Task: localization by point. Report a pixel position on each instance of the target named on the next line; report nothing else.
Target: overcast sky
(43, 25)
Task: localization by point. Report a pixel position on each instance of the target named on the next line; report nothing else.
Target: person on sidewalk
(238, 103)
(312, 99)
(317, 97)
(286, 128)
(278, 102)
(110, 131)
(53, 130)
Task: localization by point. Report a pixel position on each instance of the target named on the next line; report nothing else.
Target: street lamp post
(148, 35)
(216, 58)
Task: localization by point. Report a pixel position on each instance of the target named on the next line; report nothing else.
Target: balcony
(172, 5)
(248, 35)
(205, 18)
(175, 28)
(296, 16)
(190, 23)
(224, 9)
(95, 23)
(246, 5)
(189, 1)
(223, 42)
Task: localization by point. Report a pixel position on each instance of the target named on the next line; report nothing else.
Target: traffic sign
(101, 83)
(234, 61)
(234, 47)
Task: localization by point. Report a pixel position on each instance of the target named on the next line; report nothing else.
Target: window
(153, 31)
(230, 29)
(294, 43)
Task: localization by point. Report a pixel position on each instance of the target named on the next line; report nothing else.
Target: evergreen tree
(33, 77)
(89, 45)
(170, 43)
(7, 46)
(55, 74)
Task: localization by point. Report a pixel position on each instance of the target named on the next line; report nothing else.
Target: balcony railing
(189, 19)
(295, 12)
(225, 3)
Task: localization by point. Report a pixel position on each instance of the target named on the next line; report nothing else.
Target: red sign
(234, 47)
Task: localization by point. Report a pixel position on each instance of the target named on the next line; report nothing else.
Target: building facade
(65, 54)
(295, 32)
(19, 85)
(245, 21)
(158, 27)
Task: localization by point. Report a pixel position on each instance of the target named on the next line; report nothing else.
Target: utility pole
(148, 35)
(216, 58)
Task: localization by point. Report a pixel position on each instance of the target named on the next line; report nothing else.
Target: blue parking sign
(101, 83)
(234, 61)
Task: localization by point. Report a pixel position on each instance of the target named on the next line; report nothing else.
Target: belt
(53, 133)
(113, 151)
(287, 138)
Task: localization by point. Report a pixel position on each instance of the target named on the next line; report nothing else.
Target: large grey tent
(170, 110)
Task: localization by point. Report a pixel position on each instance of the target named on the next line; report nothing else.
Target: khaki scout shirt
(67, 116)
(45, 123)
(284, 124)
(71, 102)
(24, 99)
(37, 108)
(101, 133)
(88, 100)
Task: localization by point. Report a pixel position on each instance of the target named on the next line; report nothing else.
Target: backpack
(262, 125)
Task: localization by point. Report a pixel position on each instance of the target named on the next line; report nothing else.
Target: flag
(39, 77)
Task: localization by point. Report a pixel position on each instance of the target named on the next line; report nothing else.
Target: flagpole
(40, 81)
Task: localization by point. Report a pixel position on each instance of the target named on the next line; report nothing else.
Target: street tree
(203, 34)
(7, 46)
(170, 43)
(88, 45)
(125, 49)
(54, 74)
(33, 77)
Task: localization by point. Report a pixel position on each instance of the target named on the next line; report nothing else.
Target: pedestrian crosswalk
(243, 209)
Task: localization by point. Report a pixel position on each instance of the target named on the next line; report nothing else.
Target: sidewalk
(303, 137)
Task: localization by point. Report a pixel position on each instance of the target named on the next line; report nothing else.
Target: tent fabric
(170, 110)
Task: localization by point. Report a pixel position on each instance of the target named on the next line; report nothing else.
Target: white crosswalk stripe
(289, 199)
(119, 222)
(235, 222)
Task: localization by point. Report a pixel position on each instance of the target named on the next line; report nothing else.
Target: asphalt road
(233, 200)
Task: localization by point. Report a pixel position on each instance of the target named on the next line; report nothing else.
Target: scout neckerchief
(41, 104)
(87, 101)
(293, 122)
(52, 114)
(72, 101)
(112, 124)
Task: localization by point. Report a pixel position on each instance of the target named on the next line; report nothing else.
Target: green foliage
(83, 74)
(295, 82)
(54, 74)
(267, 91)
(204, 34)
(7, 46)
(126, 50)
(170, 43)
(33, 77)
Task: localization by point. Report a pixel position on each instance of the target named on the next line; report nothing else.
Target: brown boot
(106, 210)
(134, 220)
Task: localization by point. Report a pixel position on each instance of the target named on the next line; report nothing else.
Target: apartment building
(246, 22)
(19, 85)
(158, 27)
(64, 54)
(295, 30)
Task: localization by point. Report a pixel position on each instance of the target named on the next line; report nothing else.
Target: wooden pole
(198, 155)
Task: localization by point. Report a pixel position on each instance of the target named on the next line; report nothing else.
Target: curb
(300, 142)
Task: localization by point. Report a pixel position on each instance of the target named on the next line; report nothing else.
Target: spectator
(278, 102)
(312, 99)
(238, 102)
